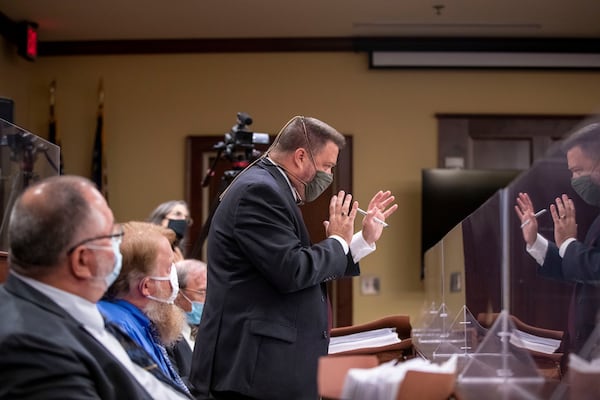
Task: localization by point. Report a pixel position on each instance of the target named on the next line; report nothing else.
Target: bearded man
(141, 300)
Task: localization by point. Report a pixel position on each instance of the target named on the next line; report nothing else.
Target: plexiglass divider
(482, 267)
(24, 159)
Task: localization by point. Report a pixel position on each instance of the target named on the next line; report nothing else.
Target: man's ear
(299, 156)
(82, 262)
(144, 287)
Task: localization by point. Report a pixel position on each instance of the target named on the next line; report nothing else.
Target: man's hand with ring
(563, 215)
(342, 211)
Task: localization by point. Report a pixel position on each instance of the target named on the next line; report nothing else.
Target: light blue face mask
(112, 277)
(115, 243)
(194, 316)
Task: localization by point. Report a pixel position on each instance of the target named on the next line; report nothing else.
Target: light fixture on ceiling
(457, 25)
(484, 60)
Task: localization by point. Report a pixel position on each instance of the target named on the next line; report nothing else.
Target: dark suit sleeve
(552, 266)
(33, 368)
(581, 263)
(270, 233)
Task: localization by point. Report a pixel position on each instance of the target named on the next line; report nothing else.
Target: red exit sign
(28, 40)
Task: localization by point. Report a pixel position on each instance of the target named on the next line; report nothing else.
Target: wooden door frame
(197, 147)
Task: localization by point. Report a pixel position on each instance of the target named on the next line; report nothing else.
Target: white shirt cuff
(563, 247)
(360, 248)
(538, 249)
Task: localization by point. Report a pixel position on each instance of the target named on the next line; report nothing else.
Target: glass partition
(24, 158)
(486, 299)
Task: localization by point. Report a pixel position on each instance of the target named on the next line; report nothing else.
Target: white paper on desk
(360, 340)
(579, 364)
(533, 342)
(383, 382)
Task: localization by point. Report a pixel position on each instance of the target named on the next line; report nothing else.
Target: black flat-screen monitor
(451, 195)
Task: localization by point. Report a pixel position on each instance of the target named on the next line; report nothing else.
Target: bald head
(48, 218)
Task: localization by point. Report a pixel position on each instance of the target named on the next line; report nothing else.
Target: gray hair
(184, 267)
(161, 211)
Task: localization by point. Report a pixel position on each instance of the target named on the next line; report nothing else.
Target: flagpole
(99, 175)
(52, 129)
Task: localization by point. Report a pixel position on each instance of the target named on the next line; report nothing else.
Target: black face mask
(179, 226)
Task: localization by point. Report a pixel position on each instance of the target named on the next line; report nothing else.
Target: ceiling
(89, 20)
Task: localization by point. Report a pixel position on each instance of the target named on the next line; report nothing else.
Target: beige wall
(153, 102)
(441, 262)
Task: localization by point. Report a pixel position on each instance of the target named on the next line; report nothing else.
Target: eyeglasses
(117, 236)
(201, 292)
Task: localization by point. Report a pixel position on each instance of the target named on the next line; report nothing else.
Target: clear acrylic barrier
(429, 331)
(462, 338)
(487, 250)
(24, 159)
(501, 368)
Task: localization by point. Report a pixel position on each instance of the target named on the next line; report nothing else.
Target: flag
(52, 133)
(98, 154)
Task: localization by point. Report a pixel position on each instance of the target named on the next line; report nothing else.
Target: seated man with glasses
(63, 255)
(191, 274)
(141, 300)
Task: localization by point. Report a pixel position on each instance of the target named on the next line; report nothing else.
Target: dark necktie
(139, 356)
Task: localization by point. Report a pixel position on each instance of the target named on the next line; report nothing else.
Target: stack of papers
(533, 342)
(384, 382)
(361, 340)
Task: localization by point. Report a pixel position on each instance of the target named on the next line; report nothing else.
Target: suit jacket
(265, 320)
(580, 265)
(47, 354)
(180, 355)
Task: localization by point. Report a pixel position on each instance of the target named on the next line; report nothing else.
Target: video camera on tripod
(239, 138)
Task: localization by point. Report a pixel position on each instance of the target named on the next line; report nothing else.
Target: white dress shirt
(88, 315)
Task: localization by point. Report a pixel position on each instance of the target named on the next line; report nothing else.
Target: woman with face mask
(175, 215)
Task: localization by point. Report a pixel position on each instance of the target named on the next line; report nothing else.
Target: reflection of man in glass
(567, 258)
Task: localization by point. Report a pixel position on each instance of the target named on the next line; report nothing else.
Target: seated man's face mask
(172, 278)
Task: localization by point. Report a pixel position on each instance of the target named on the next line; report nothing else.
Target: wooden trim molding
(325, 44)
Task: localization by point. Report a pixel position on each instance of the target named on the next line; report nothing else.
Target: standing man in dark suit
(567, 258)
(64, 254)
(266, 317)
